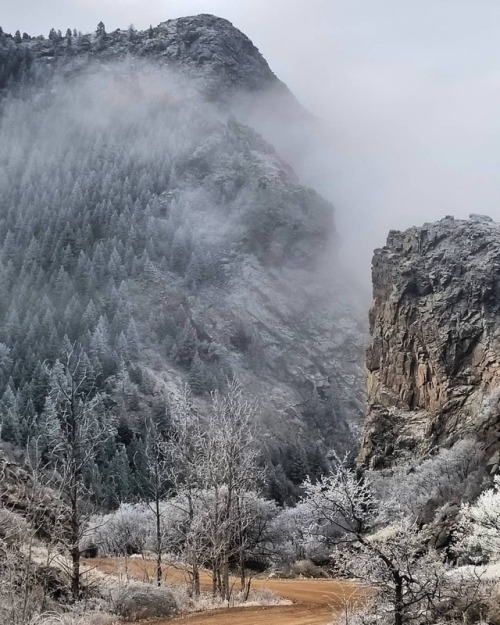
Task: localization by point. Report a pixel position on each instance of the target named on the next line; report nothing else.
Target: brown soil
(315, 602)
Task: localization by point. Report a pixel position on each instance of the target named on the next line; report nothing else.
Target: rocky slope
(21, 495)
(433, 364)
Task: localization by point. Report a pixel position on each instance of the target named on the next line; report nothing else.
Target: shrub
(306, 568)
(418, 490)
(136, 604)
(13, 527)
(89, 618)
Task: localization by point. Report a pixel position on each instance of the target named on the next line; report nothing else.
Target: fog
(137, 219)
(410, 92)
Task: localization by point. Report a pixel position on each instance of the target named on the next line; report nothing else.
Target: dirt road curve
(315, 602)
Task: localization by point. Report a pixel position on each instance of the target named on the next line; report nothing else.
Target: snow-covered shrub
(408, 577)
(453, 474)
(307, 568)
(13, 527)
(294, 541)
(123, 532)
(479, 526)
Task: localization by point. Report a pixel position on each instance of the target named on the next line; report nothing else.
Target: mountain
(143, 222)
(224, 61)
(433, 360)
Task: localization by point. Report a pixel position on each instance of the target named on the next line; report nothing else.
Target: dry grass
(89, 618)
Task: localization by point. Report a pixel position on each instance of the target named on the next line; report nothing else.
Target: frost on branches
(480, 526)
(411, 581)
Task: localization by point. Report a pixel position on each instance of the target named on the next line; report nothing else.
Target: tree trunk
(398, 601)
(214, 581)
(159, 572)
(75, 575)
(219, 582)
(242, 570)
(247, 590)
(196, 580)
(75, 542)
(225, 580)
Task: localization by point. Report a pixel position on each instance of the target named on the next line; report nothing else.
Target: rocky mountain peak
(433, 363)
(209, 49)
(210, 43)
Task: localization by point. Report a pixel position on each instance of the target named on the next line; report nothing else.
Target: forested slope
(144, 225)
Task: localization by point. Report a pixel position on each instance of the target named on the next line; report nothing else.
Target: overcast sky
(410, 88)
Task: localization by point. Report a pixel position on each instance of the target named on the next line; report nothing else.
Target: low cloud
(410, 92)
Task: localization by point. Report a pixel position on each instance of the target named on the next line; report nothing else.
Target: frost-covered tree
(214, 468)
(9, 417)
(100, 30)
(197, 376)
(156, 479)
(126, 531)
(479, 525)
(410, 578)
(75, 428)
(453, 474)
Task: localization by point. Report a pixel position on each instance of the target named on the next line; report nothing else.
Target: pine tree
(101, 30)
(197, 376)
(133, 341)
(119, 476)
(132, 33)
(9, 417)
(187, 346)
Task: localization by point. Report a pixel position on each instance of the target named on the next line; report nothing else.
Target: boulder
(137, 604)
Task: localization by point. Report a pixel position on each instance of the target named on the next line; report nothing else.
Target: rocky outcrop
(21, 495)
(215, 51)
(433, 364)
(207, 48)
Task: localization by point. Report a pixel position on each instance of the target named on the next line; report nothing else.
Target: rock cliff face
(433, 364)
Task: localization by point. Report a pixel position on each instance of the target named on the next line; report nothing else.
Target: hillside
(141, 219)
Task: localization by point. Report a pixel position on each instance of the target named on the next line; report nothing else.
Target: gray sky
(411, 90)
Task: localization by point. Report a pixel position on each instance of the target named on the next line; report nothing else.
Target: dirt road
(315, 602)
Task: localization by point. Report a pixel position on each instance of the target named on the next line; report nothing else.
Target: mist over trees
(133, 218)
(177, 376)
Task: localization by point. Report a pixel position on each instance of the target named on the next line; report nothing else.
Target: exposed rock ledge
(433, 364)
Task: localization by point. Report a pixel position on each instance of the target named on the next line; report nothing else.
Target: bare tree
(214, 466)
(75, 429)
(157, 481)
(410, 578)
